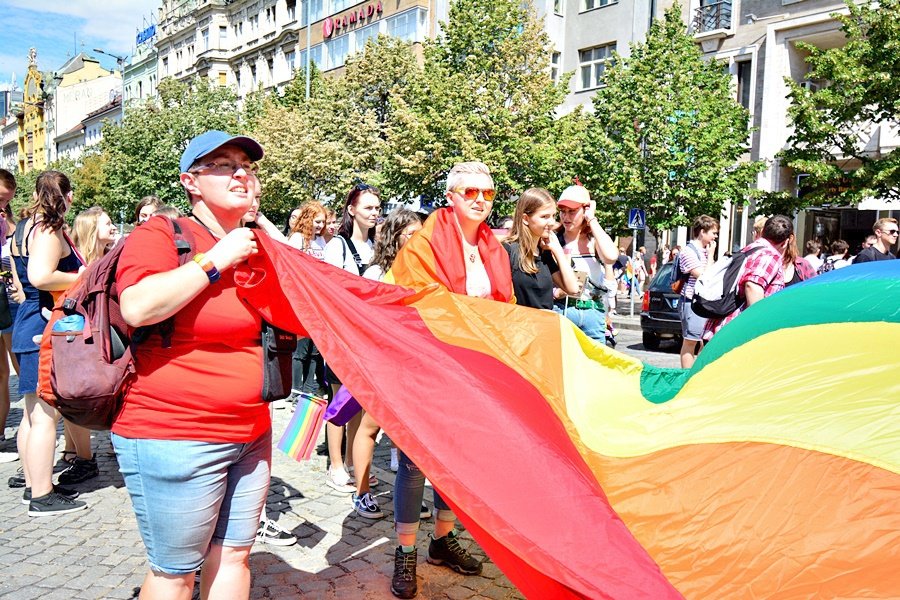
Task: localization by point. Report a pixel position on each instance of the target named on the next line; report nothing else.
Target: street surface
(98, 553)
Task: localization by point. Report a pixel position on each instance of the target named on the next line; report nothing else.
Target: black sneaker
(17, 480)
(447, 551)
(81, 470)
(270, 533)
(403, 583)
(62, 491)
(53, 504)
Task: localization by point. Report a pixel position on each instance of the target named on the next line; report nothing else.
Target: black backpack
(716, 294)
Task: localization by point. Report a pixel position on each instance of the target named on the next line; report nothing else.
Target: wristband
(208, 267)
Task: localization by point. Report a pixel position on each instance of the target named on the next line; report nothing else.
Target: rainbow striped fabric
(771, 469)
(300, 435)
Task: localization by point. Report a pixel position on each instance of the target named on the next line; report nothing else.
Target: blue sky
(59, 28)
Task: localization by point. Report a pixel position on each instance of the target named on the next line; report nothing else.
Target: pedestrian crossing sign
(636, 219)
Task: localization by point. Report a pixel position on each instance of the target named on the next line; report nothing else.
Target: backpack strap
(186, 247)
(356, 258)
(18, 237)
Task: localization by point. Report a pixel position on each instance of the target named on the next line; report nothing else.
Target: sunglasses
(227, 167)
(471, 193)
(891, 231)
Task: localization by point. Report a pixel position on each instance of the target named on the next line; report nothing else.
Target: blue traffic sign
(636, 219)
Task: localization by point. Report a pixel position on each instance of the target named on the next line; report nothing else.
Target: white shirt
(478, 284)
(337, 253)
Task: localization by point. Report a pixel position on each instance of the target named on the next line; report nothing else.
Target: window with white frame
(744, 77)
(558, 7)
(316, 11)
(253, 76)
(339, 5)
(223, 36)
(315, 57)
(591, 4)
(364, 34)
(410, 26)
(291, 10)
(291, 59)
(592, 63)
(336, 50)
(205, 36)
(554, 66)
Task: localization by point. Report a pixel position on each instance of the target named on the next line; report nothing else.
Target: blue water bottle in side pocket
(72, 324)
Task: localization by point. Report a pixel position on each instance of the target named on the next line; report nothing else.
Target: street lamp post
(120, 60)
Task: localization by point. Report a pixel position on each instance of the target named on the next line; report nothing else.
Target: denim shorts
(692, 324)
(187, 495)
(29, 363)
(589, 320)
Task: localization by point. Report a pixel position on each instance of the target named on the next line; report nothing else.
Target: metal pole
(308, 47)
(633, 271)
(122, 98)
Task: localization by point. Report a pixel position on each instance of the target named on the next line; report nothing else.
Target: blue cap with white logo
(205, 143)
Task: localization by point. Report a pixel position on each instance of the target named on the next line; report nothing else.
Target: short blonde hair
(456, 174)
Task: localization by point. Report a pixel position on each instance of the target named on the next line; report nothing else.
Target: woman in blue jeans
(472, 262)
(589, 247)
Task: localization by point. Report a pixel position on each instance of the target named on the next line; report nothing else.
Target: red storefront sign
(335, 24)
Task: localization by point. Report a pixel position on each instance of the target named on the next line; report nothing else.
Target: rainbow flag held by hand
(299, 438)
(770, 469)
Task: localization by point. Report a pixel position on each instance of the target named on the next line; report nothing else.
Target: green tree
(485, 93)
(668, 135)
(833, 126)
(141, 156)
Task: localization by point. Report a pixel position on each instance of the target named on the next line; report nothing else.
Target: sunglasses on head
(361, 187)
(471, 193)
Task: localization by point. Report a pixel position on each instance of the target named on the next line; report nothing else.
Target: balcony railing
(710, 17)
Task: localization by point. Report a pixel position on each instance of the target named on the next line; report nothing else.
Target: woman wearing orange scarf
(457, 250)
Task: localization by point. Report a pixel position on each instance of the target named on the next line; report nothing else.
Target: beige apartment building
(253, 44)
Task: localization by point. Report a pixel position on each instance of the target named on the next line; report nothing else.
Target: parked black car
(659, 313)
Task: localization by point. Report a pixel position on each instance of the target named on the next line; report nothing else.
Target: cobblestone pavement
(98, 553)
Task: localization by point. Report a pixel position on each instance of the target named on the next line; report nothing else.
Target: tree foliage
(833, 126)
(141, 156)
(485, 93)
(667, 134)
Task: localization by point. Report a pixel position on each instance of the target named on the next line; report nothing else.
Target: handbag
(278, 355)
(302, 432)
(342, 407)
(6, 319)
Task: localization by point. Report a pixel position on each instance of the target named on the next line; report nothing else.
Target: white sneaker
(395, 461)
(270, 533)
(339, 480)
(8, 457)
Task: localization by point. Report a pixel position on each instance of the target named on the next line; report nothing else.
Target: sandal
(65, 456)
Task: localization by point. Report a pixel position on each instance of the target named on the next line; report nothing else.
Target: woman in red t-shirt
(193, 438)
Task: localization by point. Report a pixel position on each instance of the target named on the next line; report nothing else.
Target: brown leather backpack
(86, 359)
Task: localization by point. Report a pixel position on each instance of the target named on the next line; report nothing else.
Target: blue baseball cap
(205, 143)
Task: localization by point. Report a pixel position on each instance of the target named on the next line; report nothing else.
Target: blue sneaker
(366, 506)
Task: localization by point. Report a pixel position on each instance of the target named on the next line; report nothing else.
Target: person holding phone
(590, 248)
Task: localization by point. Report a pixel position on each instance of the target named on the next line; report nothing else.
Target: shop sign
(332, 25)
(146, 34)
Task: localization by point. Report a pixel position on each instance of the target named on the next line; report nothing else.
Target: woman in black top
(536, 257)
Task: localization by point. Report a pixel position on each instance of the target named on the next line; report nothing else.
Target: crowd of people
(196, 461)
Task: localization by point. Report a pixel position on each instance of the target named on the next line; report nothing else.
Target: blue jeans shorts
(187, 495)
(589, 320)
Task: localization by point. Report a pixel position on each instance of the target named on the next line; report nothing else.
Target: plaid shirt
(764, 268)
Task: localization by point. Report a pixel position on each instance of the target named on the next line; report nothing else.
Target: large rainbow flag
(771, 469)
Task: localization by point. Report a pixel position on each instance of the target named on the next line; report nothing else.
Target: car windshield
(661, 282)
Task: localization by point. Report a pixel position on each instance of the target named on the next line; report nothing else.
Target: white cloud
(108, 24)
